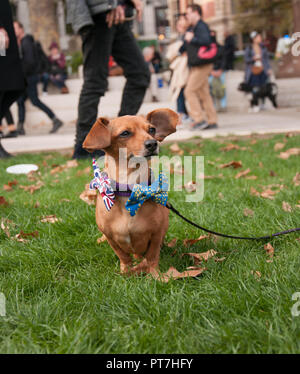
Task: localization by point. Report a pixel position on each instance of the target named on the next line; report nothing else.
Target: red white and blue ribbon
(101, 182)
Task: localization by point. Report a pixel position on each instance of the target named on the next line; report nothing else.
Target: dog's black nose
(151, 145)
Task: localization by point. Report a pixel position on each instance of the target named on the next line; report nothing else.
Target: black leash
(170, 206)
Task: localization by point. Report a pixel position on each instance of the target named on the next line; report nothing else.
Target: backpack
(43, 64)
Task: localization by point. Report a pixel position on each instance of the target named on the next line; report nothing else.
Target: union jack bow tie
(101, 182)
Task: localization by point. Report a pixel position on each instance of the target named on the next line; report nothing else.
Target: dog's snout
(151, 145)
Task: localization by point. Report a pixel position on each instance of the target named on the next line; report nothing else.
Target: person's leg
(181, 108)
(96, 46)
(12, 131)
(45, 78)
(128, 55)
(224, 98)
(205, 96)
(21, 113)
(195, 82)
(32, 93)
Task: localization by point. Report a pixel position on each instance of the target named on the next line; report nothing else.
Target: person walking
(104, 32)
(30, 68)
(197, 88)
(229, 49)
(11, 76)
(180, 72)
(258, 68)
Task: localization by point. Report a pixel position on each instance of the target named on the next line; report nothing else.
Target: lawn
(64, 292)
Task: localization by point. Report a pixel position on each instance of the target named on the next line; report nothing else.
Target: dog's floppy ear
(165, 121)
(99, 136)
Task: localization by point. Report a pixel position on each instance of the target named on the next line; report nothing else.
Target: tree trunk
(43, 21)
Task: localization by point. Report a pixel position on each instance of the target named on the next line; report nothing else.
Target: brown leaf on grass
(3, 201)
(65, 200)
(251, 177)
(242, 173)
(188, 242)
(173, 273)
(231, 147)
(190, 186)
(297, 206)
(268, 194)
(172, 243)
(234, 164)
(33, 175)
(256, 274)
(199, 257)
(37, 204)
(174, 148)
(102, 239)
(261, 165)
(219, 259)
(270, 251)
(22, 236)
(286, 206)
(279, 146)
(296, 179)
(248, 212)
(290, 152)
(59, 168)
(272, 173)
(220, 195)
(87, 171)
(88, 196)
(9, 185)
(32, 187)
(5, 225)
(50, 219)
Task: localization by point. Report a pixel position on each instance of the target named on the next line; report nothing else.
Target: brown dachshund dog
(141, 235)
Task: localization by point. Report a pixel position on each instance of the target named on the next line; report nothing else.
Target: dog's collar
(125, 190)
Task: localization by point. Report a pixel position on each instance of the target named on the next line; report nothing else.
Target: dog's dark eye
(152, 130)
(125, 134)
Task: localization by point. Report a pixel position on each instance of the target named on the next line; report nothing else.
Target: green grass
(64, 293)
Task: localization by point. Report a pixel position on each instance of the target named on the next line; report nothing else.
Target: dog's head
(138, 135)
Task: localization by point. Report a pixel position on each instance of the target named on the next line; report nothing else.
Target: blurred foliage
(75, 61)
(275, 16)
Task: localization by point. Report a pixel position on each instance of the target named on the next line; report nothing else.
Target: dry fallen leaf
(220, 195)
(21, 237)
(296, 179)
(59, 168)
(199, 257)
(102, 239)
(279, 146)
(188, 242)
(190, 186)
(88, 196)
(248, 212)
(270, 251)
(173, 273)
(230, 147)
(51, 219)
(172, 243)
(87, 171)
(234, 164)
(9, 185)
(242, 173)
(256, 274)
(290, 152)
(3, 201)
(33, 187)
(5, 225)
(176, 149)
(286, 206)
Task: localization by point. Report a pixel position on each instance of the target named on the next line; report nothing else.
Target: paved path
(271, 121)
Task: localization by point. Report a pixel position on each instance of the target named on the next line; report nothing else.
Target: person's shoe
(57, 123)
(200, 126)
(3, 153)
(256, 109)
(11, 134)
(211, 127)
(45, 93)
(155, 99)
(20, 128)
(64, 90)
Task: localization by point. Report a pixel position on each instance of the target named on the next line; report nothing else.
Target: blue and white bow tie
(157, 192)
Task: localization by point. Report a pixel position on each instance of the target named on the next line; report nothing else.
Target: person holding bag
(258, 68)
(201, 52)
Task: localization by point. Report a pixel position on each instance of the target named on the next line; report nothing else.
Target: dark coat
(11, 76)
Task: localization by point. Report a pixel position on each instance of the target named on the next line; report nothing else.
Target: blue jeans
(181, 108)
(58, 80)
(32, 93)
